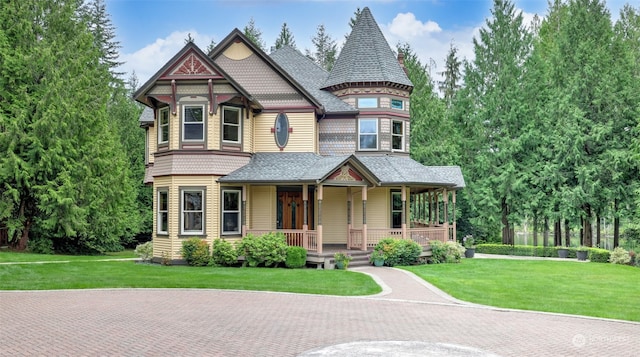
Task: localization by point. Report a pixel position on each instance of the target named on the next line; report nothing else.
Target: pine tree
(452, 75)
(254, 34)
(104, 31)
(285, 38)
(352, 22)
(325, 52)
(210, 47)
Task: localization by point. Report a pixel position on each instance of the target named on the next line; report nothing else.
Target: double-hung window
(397, 135)
(396, 209)
(192, 207)
(163, 212)
(163, 126)
(368, 134)
(231, 204)
(231, 130)
(193, 123)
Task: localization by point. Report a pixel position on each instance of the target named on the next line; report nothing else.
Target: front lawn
(591, 289)
(10, 257)
(127, 274)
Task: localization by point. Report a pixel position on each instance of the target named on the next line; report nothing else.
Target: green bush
(520, 250)
(446, 252)
(196, 252)
(296, 257)
(620, 256)
(144, 251)
(268, 250)
(399, 251)
(223, 253)
(41, 245)
(597, 255)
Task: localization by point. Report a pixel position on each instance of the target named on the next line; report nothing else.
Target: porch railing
(420, 235)
(295, 237)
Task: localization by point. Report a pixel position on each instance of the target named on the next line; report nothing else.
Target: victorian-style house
(243, 142)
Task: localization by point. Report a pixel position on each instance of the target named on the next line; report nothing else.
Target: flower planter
(582, 254)
(563, 253)
(340, 264)
(378, 262)
(470, 252)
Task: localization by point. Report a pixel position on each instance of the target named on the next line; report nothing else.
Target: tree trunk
(507, 237)
(535, 230)
(586, 226)
(567, 233)
(616, 224)
(598, 229)
(557, 233)
(545, 236)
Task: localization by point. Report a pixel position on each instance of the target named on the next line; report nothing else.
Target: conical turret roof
(366, 57)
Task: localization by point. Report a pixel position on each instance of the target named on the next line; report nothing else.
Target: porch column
(437, 205)
(453, 197)
(403, 218)
(364, 218)
(243, 212)
(319, 226)
(305, 219)
(349, 216)
(445, 211)
(430, 221)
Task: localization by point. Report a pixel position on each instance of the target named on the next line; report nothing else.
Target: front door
(290, 210)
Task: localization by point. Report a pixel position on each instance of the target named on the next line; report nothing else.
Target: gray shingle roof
(386, 170)
(311, 77)
(146, 117)
(366, 57)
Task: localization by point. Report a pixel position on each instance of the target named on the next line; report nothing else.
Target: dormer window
(368, 134)
(163, 126)
(193, 123)
(367, 102)
(231, 129)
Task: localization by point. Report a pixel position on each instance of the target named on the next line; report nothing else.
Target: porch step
(360, 259)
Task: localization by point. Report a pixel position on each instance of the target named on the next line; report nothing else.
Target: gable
(191, 66)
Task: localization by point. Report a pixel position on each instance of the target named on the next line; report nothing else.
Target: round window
(281, 133)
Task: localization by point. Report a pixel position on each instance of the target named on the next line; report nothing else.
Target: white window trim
(401, 102)
(239, 212)
(160, 211)
(396, 135)
(239, 125)
(368, 134)
(160, 125)
(393, 193)
(182, 211)
(184, 123)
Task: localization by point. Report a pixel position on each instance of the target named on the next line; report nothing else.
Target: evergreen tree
(210, 47)
(285, 38)
(352, 22)
(254, 34)
(325, 52)
(104, 32)
(452, 75)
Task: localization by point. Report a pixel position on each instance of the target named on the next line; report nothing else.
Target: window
(368, 134)
(163, 126)
(192, 211)
(396, 209)
(193, 123)
(397, 136)
(163, 212)
(367, 102)
(231, 124)
(397, 104)
(231, 211)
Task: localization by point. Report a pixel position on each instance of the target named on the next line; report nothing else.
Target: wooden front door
(290, 210)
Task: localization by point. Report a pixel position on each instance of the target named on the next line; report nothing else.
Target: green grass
(591, 289)
(12, 257)
(127, 274)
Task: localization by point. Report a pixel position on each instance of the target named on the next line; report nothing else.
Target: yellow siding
(213, 130)
(153, 142)
(334, 215)
(174, 130)
(302, 139)
(247, 132)
(237, 51)
(262, 213)
(378, 208)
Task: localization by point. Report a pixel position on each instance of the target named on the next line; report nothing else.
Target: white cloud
(405, 25)
(149, 59)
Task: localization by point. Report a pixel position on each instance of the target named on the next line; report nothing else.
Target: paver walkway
(185, 322)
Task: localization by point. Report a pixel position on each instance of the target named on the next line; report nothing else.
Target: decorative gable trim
(191, 66)
(345, 173)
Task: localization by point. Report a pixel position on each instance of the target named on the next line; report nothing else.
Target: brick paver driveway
(161, 322)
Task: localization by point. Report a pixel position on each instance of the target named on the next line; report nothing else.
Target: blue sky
(152, 31)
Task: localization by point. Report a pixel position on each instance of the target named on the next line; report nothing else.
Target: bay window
(368, 134)
(192, 211)
(163, 126)
(397, 135)
(231, 130)
(193, 123)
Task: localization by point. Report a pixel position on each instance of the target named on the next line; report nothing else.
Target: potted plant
(563, 252)
(470, 247)
(342, 260)
(377, 258)
(582, 252)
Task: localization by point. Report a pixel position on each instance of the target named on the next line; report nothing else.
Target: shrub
(597, 255)
(398, 251)
(223, 253)
(521, 250)
(620, 256)
(196, 252)
(41, 245)
(296, 257)
(144, 251)
(449, 252)
(268, 250)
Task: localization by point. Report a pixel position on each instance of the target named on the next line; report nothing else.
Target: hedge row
(595, 254)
